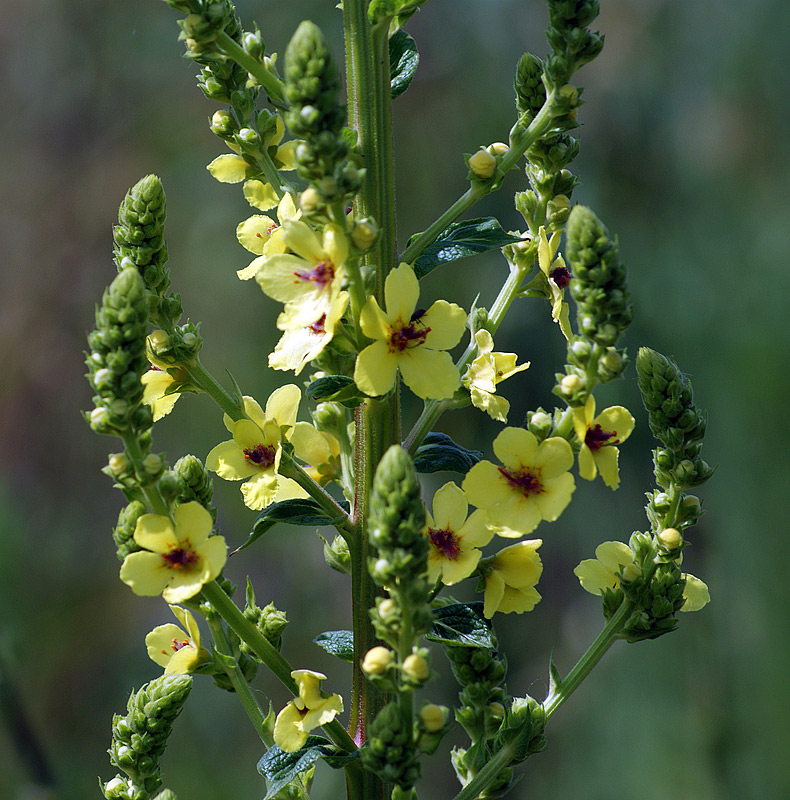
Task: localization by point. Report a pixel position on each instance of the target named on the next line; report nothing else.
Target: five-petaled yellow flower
(558, 276)
(158, 380)
(179, 555)
(264, 236)
(485, 372)
(598, 437)
(613, 558)
(308, 279)
(311, 709)
(532, 484)
(410, 340)
(253, 454)
(454, 538)
(510, 583)
(177, 649)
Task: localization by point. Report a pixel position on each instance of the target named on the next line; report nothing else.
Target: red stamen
(321, 274)
(596, 438)
(446, 542)
(262, 455)
(561, 276)
(176, 645)
(179, 558)
(526, 482)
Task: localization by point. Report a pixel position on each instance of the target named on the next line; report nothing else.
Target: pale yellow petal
(516, 448)
(374, 372)
(695, 593)
(401, 293)
(147, 573)
(260, 195)
(430, 374)
(283, 404)
(447, 322)
(228, 168)
(193, 523)
(373, 321)
(228, 461)
(606, 460)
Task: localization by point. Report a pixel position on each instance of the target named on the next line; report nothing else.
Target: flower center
(319, 326)
(262, 455)
(321, 274)
(176, 645)
(180, 557)
(446, 542)
(528, 483)
(561, 276)
(596, 437)
(411, 335)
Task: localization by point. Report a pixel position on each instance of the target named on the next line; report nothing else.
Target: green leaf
(439, 453)
(337, 388)
(299, 511)
(403, 62)
(461, 239)
(462, 625)
(280, 768)
(337, 643)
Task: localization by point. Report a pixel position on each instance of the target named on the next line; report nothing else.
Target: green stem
(487, 775)
(290, 469)
(151, 491)
(272, 85)
(239, 683)
(562, 690)
(521, 139)
(272, 174)
(204, 380)
(259, 645)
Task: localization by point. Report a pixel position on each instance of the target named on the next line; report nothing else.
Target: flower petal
(606, 461)
(155, 532)
(374, 372)
(695, 592)
(516, 448)
(283, 404)
(449, 507)
(373, 321)
(618, 420)
(430, 374)
(556, 495)
(193, 523)
(260, 195)
(147, 573)
(228, 461)
(228, 168)
(447, 322)
(401, 293)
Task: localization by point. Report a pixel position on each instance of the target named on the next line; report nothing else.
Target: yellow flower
(264, 236)
(232, 168)
(179, 555)
(598, 574)
(309, 278)
(319, 450)
(485, 372)
(311, 709)
(532, 484)
(160, 378)
(558, 276)
(598, 435)
(410, 340)
(510, 585)
(454, 538)
(300, 344)
(177, 649)
(253, 454)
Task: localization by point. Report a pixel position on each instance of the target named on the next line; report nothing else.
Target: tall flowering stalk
(353, 323)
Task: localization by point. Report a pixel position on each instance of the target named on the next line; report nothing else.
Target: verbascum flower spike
(117, 359)
(194, 481)
(392, 753)
(528, 83)
(139, 234)
(409, 339)
(572, 43)
(123, 533)
(140, 737)
(598, 284)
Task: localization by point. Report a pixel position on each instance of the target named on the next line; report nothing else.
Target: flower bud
(310, 201)
(377, 661)
(433, 718)
(670, 538)
(222, 124)
(571, 384)
(416, 668)
(482, 164)
(153, 464)
(498, 149)
(364, 233)
(631, 573)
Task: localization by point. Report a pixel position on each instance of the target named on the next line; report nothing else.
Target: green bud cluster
(528, 83)
(674, 420)
(270, 621)
(391, 753)
(598, 285)
(123, 533)
(140, 737)
(481, 711)
(192, 482)
(312, 89)
(117, 358)
(522, 729)
(572, 44)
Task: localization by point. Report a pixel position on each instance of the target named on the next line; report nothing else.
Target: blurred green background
(684, 155)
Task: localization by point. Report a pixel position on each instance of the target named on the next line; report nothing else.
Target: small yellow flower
(598, 574)
(532, 484)
(319, 450)
(159, 379)
(309, 278)
(485, 372)
(454, 538)
(264, 236)
(510, 585)
(179, 555)
(410, 340)
(558, 276)
(300, 344)
(253, 454)
(598, 437)
(311, 709)
(177, 649)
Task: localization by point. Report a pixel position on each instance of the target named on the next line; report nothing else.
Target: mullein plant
(330, 450)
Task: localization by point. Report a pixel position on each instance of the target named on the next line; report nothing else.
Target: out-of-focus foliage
(684, 154)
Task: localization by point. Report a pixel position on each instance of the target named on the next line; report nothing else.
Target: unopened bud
(631, 573)
(310, 200)
(118, 463)
(153, 464)
(377, 661)
(482, 164)
(433, 717)
(158, 341)
(416, 668)
(497, 148)
(364, 234)
(222, 123)
(670, 538)
(570, 384)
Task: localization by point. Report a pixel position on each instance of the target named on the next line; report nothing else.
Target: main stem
(377, 423)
